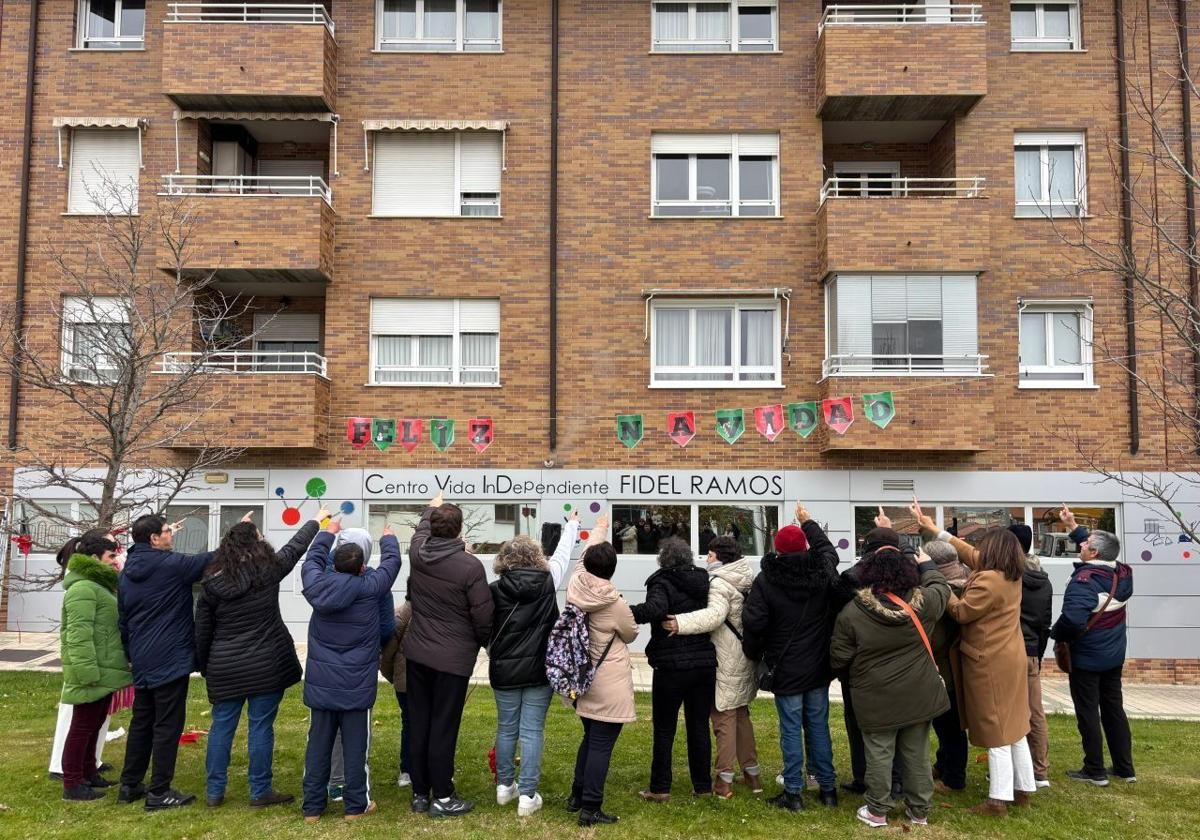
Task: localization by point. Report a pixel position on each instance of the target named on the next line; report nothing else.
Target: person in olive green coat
(93, 660)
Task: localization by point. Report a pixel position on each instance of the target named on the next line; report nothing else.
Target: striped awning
(100, 122)
(320, 116)
(435, 125)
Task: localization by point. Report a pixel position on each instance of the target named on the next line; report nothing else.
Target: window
(715, 344)
(438, 25)
(111, 24)
(1050, 174)
(1056, 344)
(971, 523)
(641, 528)
(902, 324)
(1050, 537)
(752, 526)
(866, 180)
(902, 521)
(192, 538)
(486, 526)
(435, 342)
(1045, 26)
(738, 26)
(231, 514)
(48, 530)
(96, 338)
(438, 173)
(105, 165)
(280, 338)
(715, 174)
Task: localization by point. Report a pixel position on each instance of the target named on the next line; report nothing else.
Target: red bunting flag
(681, 426)
(480, 430)
(409, 431)
(769, 420)
(839, 413)
(358, 431)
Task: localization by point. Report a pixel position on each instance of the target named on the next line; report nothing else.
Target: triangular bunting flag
(880, 408)
(629, 429)
(681, 426)
(802, 418)
(768, 419)
(839, 413)
(411, 429)
(731, 422)
(441, 433)
(383, 433)
(358, 431)
(481, 431)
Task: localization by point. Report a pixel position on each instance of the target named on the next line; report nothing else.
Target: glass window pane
(1068, 349)
(1033, 338)
(192, 538)
(753, 526)
(1024, 21)
(712, 177)
(102, 18)
(133, 18)
(712, 21)
(231, 515)
(756, 178)
(480, 350)
(1062, 175)
(403, 518)
(440, 19)
(400, 19)
(714, 337)
(755, 22)
(672, 173)
(1057, 19)
(1050, 537)
(1029, 174)
(488, 526)
(889, 340)
(482, 20)
(671, 337)
(49, 530)
(671, 21)
(970, 523)
(758, 338)
(925, 339)
(639, 529)
(902, 521)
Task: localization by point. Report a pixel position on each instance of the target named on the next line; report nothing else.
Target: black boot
(82, 793)
(574, 804)
(855, 787)
(587, 818)
(99, 781)
(420, 804)
(793, 802)
(130, 793)
(829, 798)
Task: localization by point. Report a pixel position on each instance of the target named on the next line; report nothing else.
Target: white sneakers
(506, 793)
(529, 805)
(404, 781)
(867, 818)
(1042, 783)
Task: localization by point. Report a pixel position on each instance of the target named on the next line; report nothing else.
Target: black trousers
(695, 689)
(435, 707)
(1099, 707)
(592, 760)
(858, 752)
(323, 727)
(952, 751)
(158, 717)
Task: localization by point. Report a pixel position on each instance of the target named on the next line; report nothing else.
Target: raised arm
(315, 561)
(389, 567)
(934, 587)
(421, 533)
(288, 556)
(560, 561)
(967, 553)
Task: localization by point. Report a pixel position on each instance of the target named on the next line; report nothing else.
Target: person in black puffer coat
(245, 651)
(685, 669)
(788, 623)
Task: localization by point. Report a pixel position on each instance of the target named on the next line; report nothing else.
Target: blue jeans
(521, 712)
(805, 718)
(260, 711)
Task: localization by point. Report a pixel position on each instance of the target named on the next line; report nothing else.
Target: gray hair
(940, 552)
(674, 552)
(1105, 544)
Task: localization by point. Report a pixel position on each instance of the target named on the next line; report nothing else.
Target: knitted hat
(791, 540)
(1024, 535)
(877, 538)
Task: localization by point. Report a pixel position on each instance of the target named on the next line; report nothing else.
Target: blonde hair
(520, 552)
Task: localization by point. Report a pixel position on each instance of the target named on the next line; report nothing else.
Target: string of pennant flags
(803, 418)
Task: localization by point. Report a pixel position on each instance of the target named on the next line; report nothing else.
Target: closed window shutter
(960, 318)
(287, 326)
(853, 316)
(101, 160)
(888, 299)
(760, 145)
(480, 161)
(479, 316)
(414, 174)
(409, 316)
(691, 144)
(924, 298)
(95, 310)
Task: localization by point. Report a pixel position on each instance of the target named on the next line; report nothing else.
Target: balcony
(897, 223)
(941, 413)
(900, 61)
(253, 400)
(250, 56)
(258, 228)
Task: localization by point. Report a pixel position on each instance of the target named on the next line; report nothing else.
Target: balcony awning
(318, 116)
(434, 125)
(139, 123)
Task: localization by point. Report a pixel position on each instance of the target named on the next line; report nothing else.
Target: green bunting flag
(383, 433)
(731, 422)
(880, 408)
(441, 433)
(629, 429)
(803, 418)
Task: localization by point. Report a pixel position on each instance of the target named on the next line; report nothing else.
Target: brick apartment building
(553, 212)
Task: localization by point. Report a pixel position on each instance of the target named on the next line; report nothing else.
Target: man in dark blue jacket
(341, 674)
(154, 603)
(1098, 651)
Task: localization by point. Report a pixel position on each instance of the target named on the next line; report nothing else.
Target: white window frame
(734, 202)
(82, 40)
(456, 366)
(1049, 308)
(1039, 41)
(420, 44)
(72, 320)
(461, 198)
(735, 39)
(736, 305)
(887, 168)
(1045, 204)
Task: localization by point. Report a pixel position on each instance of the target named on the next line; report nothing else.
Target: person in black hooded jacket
(245, 651)
(685, 669)
(787, 624)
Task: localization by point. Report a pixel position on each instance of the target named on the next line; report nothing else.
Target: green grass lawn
(1164, 803)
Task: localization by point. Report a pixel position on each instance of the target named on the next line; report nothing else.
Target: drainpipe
(553, 230)
(1127, 227)
(14, 385)
(1189, 163)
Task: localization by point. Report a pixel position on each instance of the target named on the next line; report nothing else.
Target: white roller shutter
(95, 310)
(100, 155)
(853, 315)
(287, 326)
(691, 144)
(414, 174)
(412, 316)
(479, 316)
(960, 316)
(888, 299)
(480, 161)
(924, 298)
(761, 145)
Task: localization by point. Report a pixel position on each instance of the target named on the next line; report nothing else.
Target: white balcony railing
(878, 364)
(900, 13)
(249, 13)
(243, 361)
(882, 186)
(293, 185)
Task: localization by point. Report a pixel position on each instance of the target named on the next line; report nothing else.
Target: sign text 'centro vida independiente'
(569, 484)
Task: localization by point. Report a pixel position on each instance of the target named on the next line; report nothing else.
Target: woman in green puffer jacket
(93, 659)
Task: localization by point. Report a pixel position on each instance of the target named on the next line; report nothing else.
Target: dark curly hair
(726, 549)
(673, 553)
(240, 552)
(889, 570)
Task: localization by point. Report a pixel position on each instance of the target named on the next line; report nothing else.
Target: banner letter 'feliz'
(481, 431)
(358, 431)
(441, 433)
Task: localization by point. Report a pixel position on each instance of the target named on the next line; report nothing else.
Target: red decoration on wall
(480, 430)
(358, 431)
(681, 426)
(769, 420)
(839, 413)
(409, 431)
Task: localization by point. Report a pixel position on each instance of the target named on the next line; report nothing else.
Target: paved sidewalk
(39, 652)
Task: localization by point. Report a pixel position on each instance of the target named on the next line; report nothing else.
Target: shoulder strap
(733, 629)
(1112, 592)
(607, 648)
(902, 604)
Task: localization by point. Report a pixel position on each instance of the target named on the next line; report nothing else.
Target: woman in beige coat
(993, 695)
(608, 703)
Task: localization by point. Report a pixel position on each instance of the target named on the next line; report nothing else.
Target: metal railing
(249, 13)
(243, 361)
(900, 13)
(883, 186)
(293, 185)
(880, 364)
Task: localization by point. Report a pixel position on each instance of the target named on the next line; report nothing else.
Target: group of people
(950, 637)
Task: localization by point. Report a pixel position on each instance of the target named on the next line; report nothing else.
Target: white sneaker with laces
(913, 818)
(404, 781)
(506, 793)
(865, 816)
(529, 805)
(1042, 783)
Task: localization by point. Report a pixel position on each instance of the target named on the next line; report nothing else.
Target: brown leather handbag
(1062, 650)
